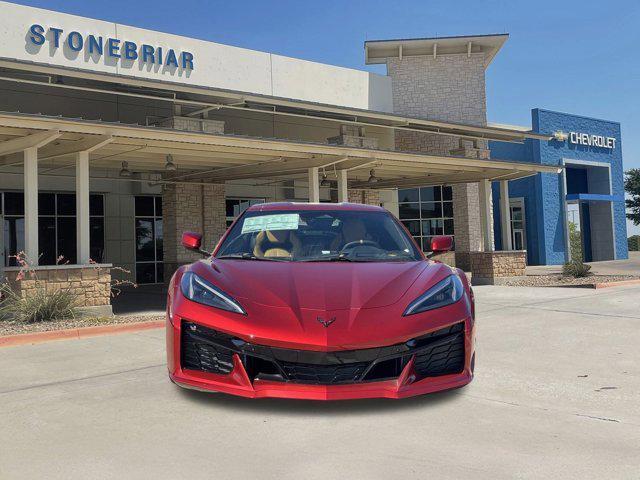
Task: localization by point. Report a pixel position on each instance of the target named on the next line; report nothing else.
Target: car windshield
(318, 236)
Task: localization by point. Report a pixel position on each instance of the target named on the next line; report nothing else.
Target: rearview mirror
(441, 244)
(193, 241)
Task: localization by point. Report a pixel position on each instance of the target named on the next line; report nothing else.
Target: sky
(579, 57)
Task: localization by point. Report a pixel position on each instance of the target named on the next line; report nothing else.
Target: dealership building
(115, 139)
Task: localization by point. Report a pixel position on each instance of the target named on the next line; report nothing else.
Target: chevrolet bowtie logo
(326, 323)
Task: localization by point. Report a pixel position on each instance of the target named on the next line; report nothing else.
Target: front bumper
(440, 360)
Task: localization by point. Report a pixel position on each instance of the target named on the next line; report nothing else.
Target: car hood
(318, 285)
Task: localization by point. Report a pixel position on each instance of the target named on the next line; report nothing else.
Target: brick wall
(196, 208)
(491, 267)
(448, 88)
(367, 197)
(90, 285)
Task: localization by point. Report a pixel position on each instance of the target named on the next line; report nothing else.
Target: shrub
(634, 243)
(576, 269)
(38, 306)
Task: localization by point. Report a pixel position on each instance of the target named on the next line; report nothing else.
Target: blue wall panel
(544, 193)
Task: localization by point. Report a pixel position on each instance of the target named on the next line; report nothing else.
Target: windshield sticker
(285, 221)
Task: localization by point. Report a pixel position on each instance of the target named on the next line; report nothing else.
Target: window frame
(439, 205)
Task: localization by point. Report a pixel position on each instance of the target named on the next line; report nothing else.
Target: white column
(314, 185)
(505, 215)
(31, 248)
(485, 215)
(82, 208)
(343, 191)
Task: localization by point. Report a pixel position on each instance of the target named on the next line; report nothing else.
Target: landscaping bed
(9, 327)
(557, 280)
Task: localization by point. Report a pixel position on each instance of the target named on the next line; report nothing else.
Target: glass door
(518, 229)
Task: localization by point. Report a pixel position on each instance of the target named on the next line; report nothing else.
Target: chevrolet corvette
(322, 302)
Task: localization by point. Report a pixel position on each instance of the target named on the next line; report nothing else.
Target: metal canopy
(202, 157)
(198, 100)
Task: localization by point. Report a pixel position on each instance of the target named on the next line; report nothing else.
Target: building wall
(215, 65)
(544, 202)
(448, 88)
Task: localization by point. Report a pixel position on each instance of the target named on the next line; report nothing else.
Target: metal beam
(88, 144)
(35, 140)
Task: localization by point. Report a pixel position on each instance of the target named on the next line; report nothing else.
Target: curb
(614, 284)
(83, 332)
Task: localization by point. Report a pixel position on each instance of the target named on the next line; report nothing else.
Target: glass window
(430, 194)
(426, 212)
(47, 240)
(431, 210)
(96, 239)
(408, 195)
(13, 239)
(66, 236)
(235, 206)
(409, 210)
(13, 203)
(46, 204)
(149, 236)
(96, 205)
(318, 236)
(66, 204)
(145, 206)
(56, 226)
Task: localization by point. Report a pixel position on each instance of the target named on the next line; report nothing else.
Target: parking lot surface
(555, 396)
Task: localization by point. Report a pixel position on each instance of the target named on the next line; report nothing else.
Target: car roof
(352, 207)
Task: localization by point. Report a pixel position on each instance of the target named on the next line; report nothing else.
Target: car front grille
(438, 353)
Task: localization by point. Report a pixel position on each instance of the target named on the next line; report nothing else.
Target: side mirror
(193, 241)
(441, 244)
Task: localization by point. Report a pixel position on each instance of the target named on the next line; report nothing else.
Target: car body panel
(319, 306)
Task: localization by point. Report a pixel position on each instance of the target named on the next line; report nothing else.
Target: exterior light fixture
(169, 165)
(372, 177)
(560, 136)
(124, 171)
(324, 182)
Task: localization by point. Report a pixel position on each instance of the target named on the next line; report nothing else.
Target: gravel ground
(562, 281)
(16, 328)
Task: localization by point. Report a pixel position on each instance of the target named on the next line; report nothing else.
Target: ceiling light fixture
(169, 165)
(124, 171)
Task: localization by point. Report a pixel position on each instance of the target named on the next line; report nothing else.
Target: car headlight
(197, 289)
(443, 293)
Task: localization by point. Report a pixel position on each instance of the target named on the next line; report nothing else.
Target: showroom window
(56, 227)
(148, 222)
(235, 206)
(426, 212)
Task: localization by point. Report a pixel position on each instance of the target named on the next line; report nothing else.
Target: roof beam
(87, 144)
(35, 140)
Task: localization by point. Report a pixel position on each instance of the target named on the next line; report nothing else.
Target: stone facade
(195, 208)
(490, 268)
(90, 284)
(448, 88)
(351, 136)
(447, 257)
(367, 197)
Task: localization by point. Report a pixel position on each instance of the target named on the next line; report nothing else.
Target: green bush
(634, 243)
(576, 269)
(39, 306)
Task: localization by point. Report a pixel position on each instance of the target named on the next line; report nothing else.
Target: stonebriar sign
(112, 47)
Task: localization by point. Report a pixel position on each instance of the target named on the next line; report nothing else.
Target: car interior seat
(274, 243)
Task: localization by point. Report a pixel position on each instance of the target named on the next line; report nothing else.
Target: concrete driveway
(556, 395)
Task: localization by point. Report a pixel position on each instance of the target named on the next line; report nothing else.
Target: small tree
(632, 187)
(575, 242)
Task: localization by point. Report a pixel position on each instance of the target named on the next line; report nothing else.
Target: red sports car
(319, 301)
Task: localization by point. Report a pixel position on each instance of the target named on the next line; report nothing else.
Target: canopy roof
(216, 158)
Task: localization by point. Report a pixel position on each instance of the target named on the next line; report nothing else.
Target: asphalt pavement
(556, 395)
